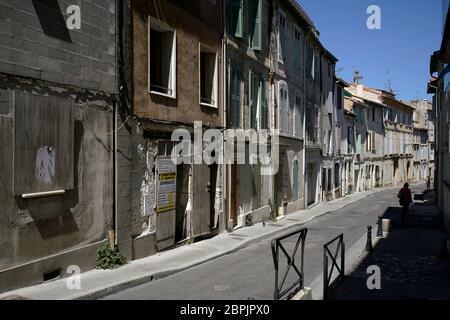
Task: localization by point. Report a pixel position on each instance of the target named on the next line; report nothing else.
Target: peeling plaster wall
(35, 229)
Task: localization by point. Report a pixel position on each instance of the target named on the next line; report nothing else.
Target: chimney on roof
(359, 90)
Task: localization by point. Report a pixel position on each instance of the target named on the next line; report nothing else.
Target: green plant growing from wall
(108, 258)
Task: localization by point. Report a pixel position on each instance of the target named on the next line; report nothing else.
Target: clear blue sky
(411, 30)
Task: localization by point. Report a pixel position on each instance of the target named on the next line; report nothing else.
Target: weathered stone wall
(34, 230)
(86, 58)
(39, 56)
(190, 32)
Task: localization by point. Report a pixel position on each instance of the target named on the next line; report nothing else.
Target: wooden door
(201, 209)
(295, 186)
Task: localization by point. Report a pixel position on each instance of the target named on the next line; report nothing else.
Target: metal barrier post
(369, 239)
(380, 227)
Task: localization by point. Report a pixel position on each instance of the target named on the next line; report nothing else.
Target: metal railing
(329, 285)
(277, 246)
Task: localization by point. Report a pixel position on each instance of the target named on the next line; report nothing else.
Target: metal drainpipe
(113, 233)
(305, 171)
(226, 205)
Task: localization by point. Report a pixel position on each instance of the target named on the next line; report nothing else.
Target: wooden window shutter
(235, 17)
(251, 98)
(235, 96)
(262, 108)
(257, 31)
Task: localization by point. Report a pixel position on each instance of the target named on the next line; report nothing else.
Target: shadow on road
(413, 260)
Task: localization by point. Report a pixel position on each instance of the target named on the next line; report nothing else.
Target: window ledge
(42, 194)
(163, 94)
(208, 105)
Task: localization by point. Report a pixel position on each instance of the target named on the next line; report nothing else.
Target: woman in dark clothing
(405, 200)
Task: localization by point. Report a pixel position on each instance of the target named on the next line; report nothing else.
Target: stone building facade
(175, 80)
(57, 93)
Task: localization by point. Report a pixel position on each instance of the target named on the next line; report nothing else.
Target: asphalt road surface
(249, 273)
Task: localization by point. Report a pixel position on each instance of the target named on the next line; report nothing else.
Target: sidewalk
(413, 260)
(99, 283)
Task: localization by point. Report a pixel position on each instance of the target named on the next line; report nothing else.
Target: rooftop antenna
(357, 77)
(388, 84)
(338, 71)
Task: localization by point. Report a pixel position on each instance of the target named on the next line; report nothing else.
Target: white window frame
(205, 48)
(158, 25)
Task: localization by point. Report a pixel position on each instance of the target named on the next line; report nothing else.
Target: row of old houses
(91, 119)
(439, 87)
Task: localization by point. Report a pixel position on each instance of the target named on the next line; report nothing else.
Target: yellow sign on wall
(166, 186)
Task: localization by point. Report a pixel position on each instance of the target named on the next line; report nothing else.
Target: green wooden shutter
(235, 96)
(235, 16)
(257, 31)
(232, 96)
(262, 105)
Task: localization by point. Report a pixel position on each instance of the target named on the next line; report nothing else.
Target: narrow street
(224, 150)
(249, 273)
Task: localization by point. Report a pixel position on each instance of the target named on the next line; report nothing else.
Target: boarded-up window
(43, 144)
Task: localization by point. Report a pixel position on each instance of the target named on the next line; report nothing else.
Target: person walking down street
(405, 200)
(428, 183)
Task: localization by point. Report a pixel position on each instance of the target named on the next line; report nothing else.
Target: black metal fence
(328, 284)
(277, 246)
